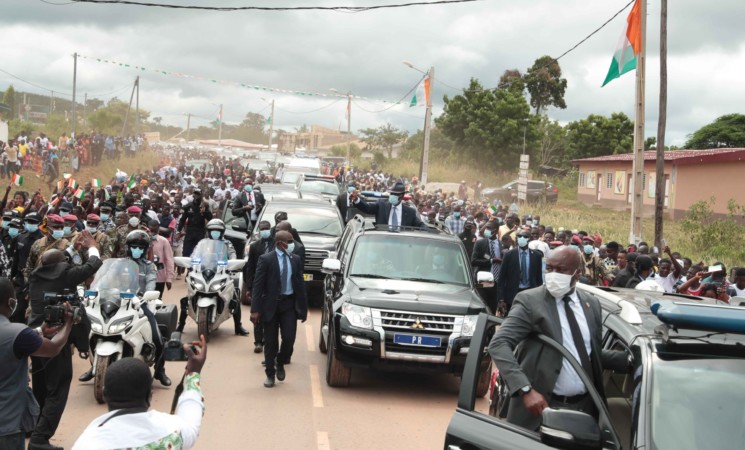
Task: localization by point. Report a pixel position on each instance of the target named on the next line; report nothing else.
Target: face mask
(134, 221)
(588, 249)
(215, 234)
(350, 189)
(31, 228)
(535, 222)
(5, 224)
(393, 199)
(92, 230)
(290, 247)
(456, 215)
(137, 252)
(67, 231)
(57, 234)
(13, 232)
(522, 241)
(558, 284)
(438, 260)
(265, 234)
(248, 188)
(487, 234)
(104, 217)
(63, 213)
(528, 222)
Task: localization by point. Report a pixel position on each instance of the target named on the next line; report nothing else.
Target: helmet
(139, 239)
(215, 225)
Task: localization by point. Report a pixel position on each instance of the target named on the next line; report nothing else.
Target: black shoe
(88, 376)
(258, 348)
(42, 445)
(240, 331)
(269, 382)
(281, 373)
(180, 327)
(163, 378)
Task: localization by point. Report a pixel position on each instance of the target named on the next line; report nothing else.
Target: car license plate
(308, 276)
(420, 341)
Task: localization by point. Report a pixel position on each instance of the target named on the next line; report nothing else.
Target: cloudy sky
(362, 53)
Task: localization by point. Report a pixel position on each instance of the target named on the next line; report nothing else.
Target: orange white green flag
(629, 45)
(421, 96)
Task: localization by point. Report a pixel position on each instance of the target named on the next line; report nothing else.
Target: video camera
(54, 311)
(174, 350)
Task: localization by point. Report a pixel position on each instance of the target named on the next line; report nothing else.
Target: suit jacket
(255, 250)
(623, 277)
(481, 248)
(509, 273)
(342, 206)
(382, 210)
(242, 200)
(267, 286)
(523, 361)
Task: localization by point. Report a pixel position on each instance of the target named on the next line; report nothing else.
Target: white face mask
(558, 284)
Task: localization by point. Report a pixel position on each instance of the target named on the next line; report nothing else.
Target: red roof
(677, 156)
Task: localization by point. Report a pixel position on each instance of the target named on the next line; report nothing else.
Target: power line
(348, 9)
(67, 94)
(395, 104)
(311, 111)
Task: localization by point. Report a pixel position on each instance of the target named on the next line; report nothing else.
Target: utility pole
(219, 130)
(637, 201)
(659, 190)
(271, 127)
(51, 104)
(74, 87)
(429, 81)
(137, 108)
(349, 129)
(85, 110)
(129, 106)
(188, 126)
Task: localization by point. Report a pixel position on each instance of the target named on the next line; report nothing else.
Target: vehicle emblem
(417, 325)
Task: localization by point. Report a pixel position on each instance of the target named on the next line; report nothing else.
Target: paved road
(378, 410)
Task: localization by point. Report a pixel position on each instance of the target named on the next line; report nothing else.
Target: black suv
(399, 299)
(686, 389)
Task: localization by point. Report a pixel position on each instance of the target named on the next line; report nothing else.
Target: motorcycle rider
(216, 231)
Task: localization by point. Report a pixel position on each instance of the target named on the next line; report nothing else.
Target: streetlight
(271, 125)
(429, 78)
(349, 124)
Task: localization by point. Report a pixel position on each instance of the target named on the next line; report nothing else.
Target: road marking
(315, 386)
(322, 439)
(309, 338)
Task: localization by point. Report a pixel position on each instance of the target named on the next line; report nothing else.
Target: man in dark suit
(279, 300)
(264, 245)
(487, 256)
(392, 212)
(298, 248)
(248, 204)
(344, 201)
(522, 268)
(536, 376)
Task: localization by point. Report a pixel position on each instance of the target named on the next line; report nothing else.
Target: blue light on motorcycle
(90, 293)
(126, 295)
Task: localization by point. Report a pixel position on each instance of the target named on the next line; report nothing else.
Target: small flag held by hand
(80, 193)
(17, 180)
(96, 183)
(132, 184)
(73, 183)
(493, 209)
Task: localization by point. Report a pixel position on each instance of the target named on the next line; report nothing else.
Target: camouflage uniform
(38, 248)
(108, 227)
(119, 244)
(104, 245)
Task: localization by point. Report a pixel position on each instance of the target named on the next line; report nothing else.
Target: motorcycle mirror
(135, 303)
(151, 295)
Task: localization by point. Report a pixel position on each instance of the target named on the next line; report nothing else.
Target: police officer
(18, 264)
(5, 238)
(197, 214)
(216, 231)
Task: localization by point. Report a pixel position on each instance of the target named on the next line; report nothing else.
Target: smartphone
(664, 244)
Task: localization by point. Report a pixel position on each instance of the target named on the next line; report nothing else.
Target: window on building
(644, 181)
(609, 180)
(581, 179)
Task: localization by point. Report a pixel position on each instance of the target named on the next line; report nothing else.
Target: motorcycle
(118, 327)
(213, 284)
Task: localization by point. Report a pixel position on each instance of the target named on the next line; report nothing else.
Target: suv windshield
(319, 187)
(306, 219)
(409, 258)
(698, 403)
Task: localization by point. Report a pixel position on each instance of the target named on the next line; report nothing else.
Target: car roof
(304, 203)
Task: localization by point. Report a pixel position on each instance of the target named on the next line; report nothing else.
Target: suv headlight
(469, 325)
(119, 326)
(358, 316)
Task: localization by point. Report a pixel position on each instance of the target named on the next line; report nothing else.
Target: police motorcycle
(213, 284)
(119, 329)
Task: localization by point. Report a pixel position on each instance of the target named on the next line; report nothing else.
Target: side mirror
(182, 261)
(485, 279)
(239, 225)
(563, 428)
(331, 266)
(236, 264)
(150, 295)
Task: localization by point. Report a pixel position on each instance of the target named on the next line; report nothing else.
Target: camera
(54, 311)
(174, 350)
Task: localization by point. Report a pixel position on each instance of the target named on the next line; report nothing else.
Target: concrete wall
(724, 181)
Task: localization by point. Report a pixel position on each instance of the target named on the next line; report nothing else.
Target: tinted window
(535, 185)
(307, 219)
(320, 187)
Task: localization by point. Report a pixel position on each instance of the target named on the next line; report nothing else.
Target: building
(317, 137)
(690, 176)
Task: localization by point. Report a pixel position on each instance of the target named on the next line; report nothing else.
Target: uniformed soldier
(53, 239)
(69, 228)
(133, 223)
(107, 224)
(5, 238)
(93, 225)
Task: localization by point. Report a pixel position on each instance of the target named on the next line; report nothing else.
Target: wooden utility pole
(188, 126)
(129, 106)
(271, 127)
(424, 163)
(74, 89)
(637, 201)
(219, 130)
(85, 110)
(659, 190)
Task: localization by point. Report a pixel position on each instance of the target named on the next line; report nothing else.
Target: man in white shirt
(669, 272)
(128, 424)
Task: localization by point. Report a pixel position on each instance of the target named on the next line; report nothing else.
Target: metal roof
(676, 156)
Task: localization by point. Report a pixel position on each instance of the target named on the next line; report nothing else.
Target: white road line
(309, 338)
(322, 439)
(315, 386)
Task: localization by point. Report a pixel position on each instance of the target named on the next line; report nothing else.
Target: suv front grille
(405, 322)
(314, 259)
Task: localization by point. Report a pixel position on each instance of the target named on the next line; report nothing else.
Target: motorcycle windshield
(116, 276)
(209, 254)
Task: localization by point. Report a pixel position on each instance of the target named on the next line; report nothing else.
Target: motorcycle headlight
(216, 287)
(96, 325)
(196, 285)
(358, 316)
(469, 325)
(120, 325)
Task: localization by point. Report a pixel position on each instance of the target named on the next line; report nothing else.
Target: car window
(619, 391)
(319, 187)
(535, 185)
(306, 219)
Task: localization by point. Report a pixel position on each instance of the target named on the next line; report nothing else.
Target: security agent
(197, 214)
(31, 234)
(51, 376)
(263, 245)
(391, 212)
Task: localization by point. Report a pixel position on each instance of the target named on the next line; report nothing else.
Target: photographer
(128, 390)
(51, 376)
(18, 409)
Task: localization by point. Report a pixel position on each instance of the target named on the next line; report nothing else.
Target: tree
(390, 136)
(545, 85)
(341, 150)
(370, 137)
(726, 131)
(93, 104)
(512, 80)
(599, 135)
(441, 148)
(487, 125)
(650, 143)
(551, 142)
(9, 98)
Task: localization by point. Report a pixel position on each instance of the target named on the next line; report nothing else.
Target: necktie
(394, 219)
(579, 342)
(283, 274)
(493, 250)
(523, 267)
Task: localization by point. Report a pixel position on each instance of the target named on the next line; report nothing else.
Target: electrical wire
(395, 104)
(55, 91)
(349, 9)
(311, 111)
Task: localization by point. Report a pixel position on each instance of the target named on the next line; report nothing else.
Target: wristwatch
(525, 389)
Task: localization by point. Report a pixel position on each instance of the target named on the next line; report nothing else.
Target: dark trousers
(160, 362)
(160, 287)
(191, 240)
(489, 295)
(51, 379)
(259, 333)
(19, 315)
(15, 441)
(284, 322)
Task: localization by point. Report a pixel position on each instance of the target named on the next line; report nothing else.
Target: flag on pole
(493, 209)
(17, 180)
(96, 182)
(219, 116)
(269, 120)
(629, 45)
(80, 193)
(421, 95)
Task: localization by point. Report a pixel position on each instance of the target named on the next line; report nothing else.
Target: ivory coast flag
(629, 45)
(96, 182)
(421, 96)
(17, 180)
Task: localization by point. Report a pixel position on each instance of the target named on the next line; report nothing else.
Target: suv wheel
(322, 347)
(484, 380)
(337, 375)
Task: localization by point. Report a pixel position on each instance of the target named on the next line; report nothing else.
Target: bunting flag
(17, 180)
(421, 96)
(629, 45)
(80, 193)
(96, 183)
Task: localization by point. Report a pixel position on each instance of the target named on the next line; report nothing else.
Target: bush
(716, 239)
